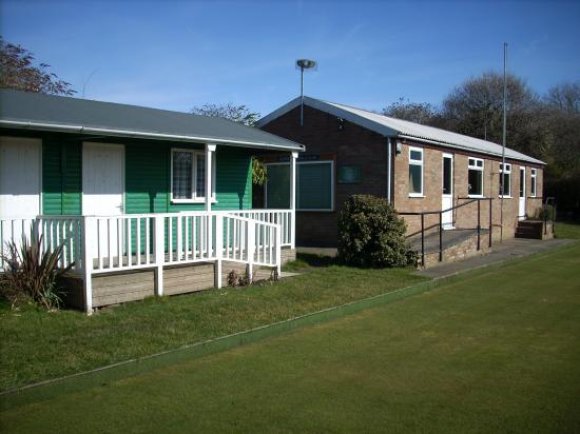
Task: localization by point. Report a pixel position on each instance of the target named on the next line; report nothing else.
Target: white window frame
(533, 182)
(421, 165)
(298, 164)
(480, 168)
(508, 172)
(195, 199)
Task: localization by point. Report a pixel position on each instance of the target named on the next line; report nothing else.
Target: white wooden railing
(129, 241)
(282, 217)
(55, 230)
(106, 244)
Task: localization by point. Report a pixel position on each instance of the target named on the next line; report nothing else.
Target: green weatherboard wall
(147, 178)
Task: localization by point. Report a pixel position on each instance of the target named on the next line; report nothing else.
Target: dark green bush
(371, 234)
(547, 212)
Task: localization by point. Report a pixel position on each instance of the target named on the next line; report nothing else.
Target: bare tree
(564, 97)
(236, 113)
(421, 113)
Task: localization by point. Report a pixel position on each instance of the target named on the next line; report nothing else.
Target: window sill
(416, 195)
(476, 196)
(192, 201)
(505, 197)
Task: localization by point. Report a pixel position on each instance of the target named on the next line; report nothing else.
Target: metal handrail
(440, 212)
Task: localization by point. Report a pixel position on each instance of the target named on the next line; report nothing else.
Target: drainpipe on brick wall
(389, 169)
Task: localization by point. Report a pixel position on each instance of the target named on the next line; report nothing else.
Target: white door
(20, 184)
(447, 202)
(522, 206)
(103, 186)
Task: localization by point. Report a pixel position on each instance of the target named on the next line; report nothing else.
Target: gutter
(451, 145)
(143, 135)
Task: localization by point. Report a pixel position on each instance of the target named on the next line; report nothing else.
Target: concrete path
(501, 252)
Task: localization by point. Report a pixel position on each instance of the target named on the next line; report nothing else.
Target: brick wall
(350, 145)
(466, 216)
(354, 145)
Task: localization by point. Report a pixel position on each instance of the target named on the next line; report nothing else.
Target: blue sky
(179, 54)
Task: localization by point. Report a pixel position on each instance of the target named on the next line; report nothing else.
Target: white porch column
(293, 158)
(209, 151)
(87, 240)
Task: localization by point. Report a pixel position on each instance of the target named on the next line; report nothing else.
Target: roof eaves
(511, 155)
(146, 135)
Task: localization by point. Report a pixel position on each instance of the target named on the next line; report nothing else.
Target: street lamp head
(305, 64)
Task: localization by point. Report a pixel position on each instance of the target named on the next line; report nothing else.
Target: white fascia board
(144, 135)
(330, 109)
(510, 153)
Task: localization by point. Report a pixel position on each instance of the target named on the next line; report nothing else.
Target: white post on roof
(209, 151)
(293, 158)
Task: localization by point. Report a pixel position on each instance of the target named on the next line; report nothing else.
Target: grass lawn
(496, 350)
(569, 230)
(38, 345)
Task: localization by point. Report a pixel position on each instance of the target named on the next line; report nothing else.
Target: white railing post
(86, 249)
(250, 248)
(159, 252)
(293, 158)
(279, 250)
(219, 241)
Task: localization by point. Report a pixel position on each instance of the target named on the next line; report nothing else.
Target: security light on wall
(303, 64)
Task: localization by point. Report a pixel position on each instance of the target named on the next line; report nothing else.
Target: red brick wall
(351, 146)
(466, 216)
(354, 145)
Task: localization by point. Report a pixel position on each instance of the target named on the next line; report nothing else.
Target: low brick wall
(458, 252)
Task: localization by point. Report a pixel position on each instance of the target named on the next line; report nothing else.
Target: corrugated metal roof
(392, 127)
(27, 110)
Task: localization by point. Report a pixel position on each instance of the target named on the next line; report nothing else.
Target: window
(315, 189)
(505, 189)
(314, 186)
(533, 182)
(415, 172)
(278, 186)
(188, 175)
(475, 177)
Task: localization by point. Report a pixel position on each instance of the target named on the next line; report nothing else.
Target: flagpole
(501, 179)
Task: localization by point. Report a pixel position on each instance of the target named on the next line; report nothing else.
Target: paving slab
(501, 252)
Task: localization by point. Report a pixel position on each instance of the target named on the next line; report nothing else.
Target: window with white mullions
(415, 172)
(188, 175)
(505, 187)
(475, 177)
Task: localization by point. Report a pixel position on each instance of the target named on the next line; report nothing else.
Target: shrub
(371, 234)
(547, 212)
(235, 280)
(32, 274)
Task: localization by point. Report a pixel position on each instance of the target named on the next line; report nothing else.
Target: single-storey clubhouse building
(146, 201)
(416, 167)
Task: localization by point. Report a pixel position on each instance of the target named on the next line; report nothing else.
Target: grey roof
(27, 110)
(392, 127)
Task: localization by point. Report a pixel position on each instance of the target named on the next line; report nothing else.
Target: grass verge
(38, 346)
